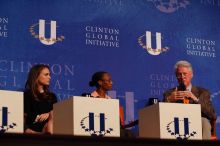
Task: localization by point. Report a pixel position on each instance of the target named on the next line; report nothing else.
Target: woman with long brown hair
(38, 101)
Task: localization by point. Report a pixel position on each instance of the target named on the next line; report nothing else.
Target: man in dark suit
(186, 92)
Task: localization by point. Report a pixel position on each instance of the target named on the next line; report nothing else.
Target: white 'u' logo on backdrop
(40, 27)
(158, 49)
(47, 41)
(148, 47)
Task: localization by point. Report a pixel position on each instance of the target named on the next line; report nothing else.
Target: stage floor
(63, 140)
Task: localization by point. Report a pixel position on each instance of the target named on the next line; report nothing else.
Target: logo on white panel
(175, 126)
(41, 35)
(169, 6)
(5, 126)
(88, 124)
(145, 42)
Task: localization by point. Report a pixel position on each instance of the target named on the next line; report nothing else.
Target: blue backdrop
(80, 37)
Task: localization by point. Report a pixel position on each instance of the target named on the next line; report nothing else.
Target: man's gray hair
(183, 63)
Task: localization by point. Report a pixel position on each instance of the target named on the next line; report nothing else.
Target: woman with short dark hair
(103, 83)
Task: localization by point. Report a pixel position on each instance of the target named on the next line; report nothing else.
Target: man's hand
(188, 95)
(175, 95)
(180, 95)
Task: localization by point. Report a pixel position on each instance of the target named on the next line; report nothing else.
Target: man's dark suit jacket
(203, 95)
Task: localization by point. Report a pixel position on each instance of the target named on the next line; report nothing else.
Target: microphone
(182, 86)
